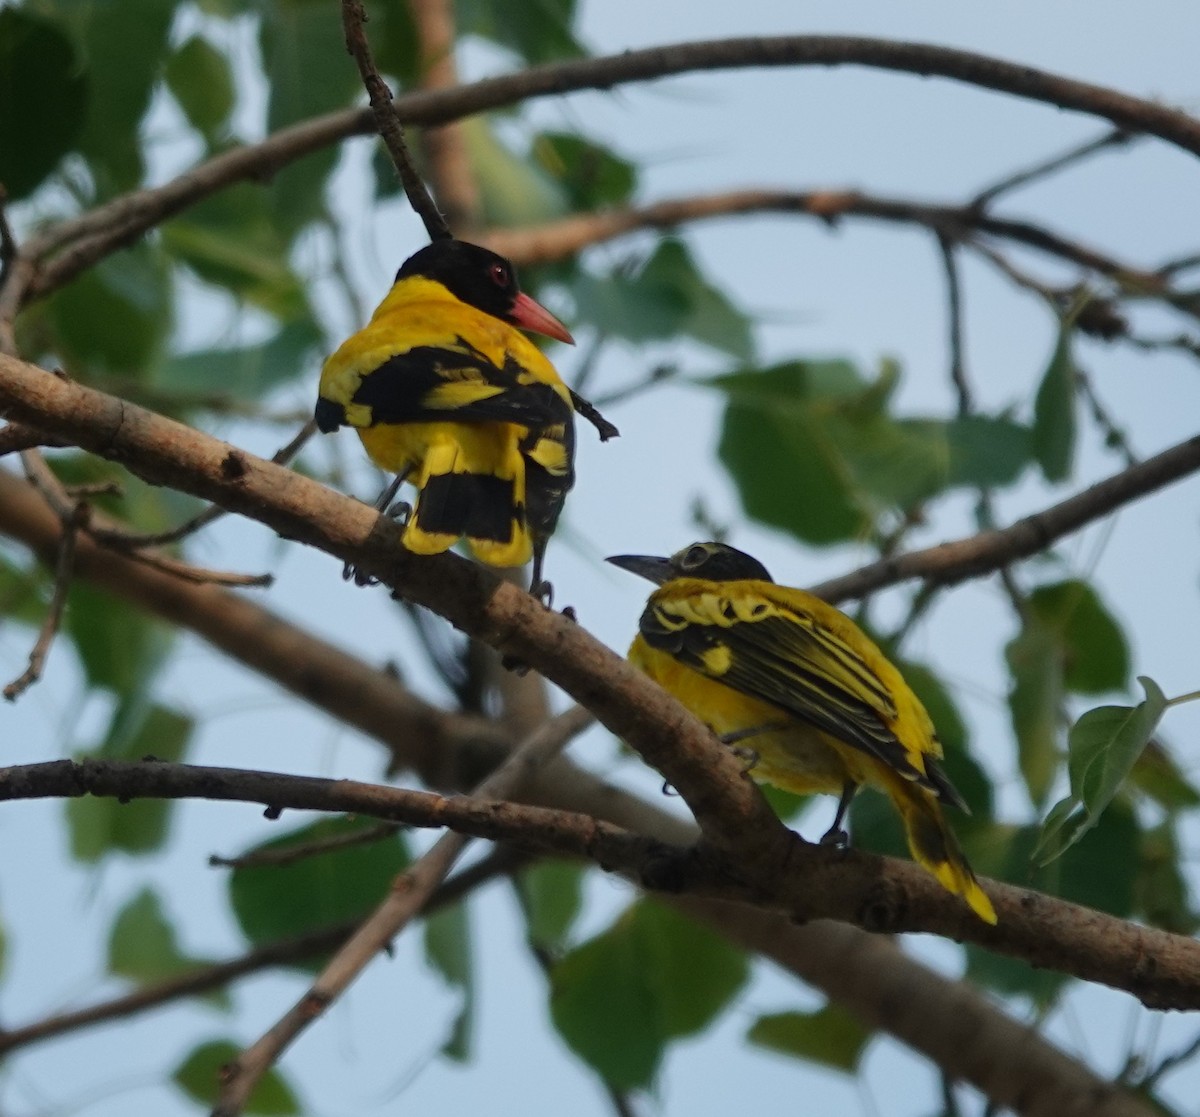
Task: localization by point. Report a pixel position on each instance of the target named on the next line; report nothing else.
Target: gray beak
(657, 570)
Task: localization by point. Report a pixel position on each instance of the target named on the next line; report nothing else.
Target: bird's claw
(836, 838)
(361, 578)
(400, 512)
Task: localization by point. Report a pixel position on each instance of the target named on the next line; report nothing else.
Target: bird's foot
(748, 757)
(836, 837)
(361, 578)
(400, 512)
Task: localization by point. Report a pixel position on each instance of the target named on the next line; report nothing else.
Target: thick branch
(123, 221)
(556, 240)
(811, 882)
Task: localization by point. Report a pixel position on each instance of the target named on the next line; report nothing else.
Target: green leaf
(777, 447)
(592, 175)
(1156, 773)
(278, 901)
(99, 825)
(603, 1005)
(200, 79)
(551, 896)
(121, 649)
(243, 375)
(1161, 892)
(830, 1036)
(199, 1076)
(24, 593)
(116, 316)
(655, 975)
(307, 71)
(986, 451)
(535, 30)
(1095, 655)
(231, 240)
(1054, 411)
(142, 946)
(1102, 748)
(124, 45)
(1035, 702)
(43, 97)
(710, 317)
(513, 190)
(448, 948)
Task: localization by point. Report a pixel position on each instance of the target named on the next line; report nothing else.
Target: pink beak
(529, 314)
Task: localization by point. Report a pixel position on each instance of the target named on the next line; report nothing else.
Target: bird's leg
(591, 413)
(836, 835)
(398, 512)
(538, 586)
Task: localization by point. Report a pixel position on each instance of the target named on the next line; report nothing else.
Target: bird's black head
(713, 562)
(485, 280)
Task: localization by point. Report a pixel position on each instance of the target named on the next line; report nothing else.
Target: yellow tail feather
(934, 846)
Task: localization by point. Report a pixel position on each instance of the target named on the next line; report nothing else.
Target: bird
(822, 707)
(447, 393)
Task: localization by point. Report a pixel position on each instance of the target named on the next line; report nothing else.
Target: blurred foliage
(98, 99)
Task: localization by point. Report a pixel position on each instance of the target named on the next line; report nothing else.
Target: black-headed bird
(820, 706)
(448, 394)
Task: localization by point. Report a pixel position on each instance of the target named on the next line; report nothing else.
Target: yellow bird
(445, 392)
(819, 703)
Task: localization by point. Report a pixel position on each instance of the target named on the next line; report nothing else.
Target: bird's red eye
(499, 274)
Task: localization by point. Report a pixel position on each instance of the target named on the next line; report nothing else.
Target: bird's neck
(413, 289)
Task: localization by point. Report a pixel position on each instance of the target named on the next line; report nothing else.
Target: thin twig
(8, 242)
(958, 371)
(289, 855)
(1113, 138)
(1169, 1063)
(1114, 437)
(53, 619)
(14, 437)
(409, 893)
(387, 121)
(131, 540)
(102, 230)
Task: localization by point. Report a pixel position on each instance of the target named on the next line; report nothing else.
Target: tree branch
(387, 121)
(556, 240)
(812, 882)
(975, 555)
(124, 220)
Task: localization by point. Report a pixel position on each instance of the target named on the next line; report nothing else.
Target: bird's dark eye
(499, 274)
(694, 556)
